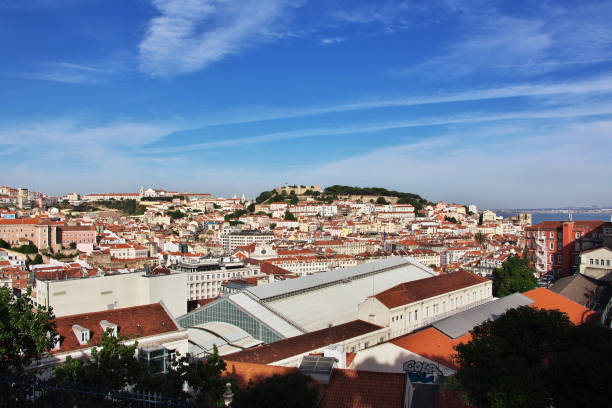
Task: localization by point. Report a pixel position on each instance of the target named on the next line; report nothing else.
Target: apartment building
(230, 240)
(204, 278)
(597, 263)
(554, 246)
(77, 234)
(42, 233)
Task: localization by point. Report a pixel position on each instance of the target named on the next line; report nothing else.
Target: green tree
(251, 207)
(28, 248)
(279, 391)
(480, 238)
(4, 244)
(381, 200)
(272, 225)
(515, 275)
(204, 378)
(37, 260)
(72, 245)
(505, 363)
(451, 219)
(289, 216)
(581, 372)
(26, 331)
(113, 365)
(176, 214)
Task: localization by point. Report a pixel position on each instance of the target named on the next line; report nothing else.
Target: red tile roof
(414, 291)
(432, 344)
(293, 346)
(547, 299)
(133, 322)
(364, 389)
(245, 372)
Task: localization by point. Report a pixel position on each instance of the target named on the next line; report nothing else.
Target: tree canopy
(26, 332)
(289, 216)
(530, 357)
(279, 391)
(515, 275)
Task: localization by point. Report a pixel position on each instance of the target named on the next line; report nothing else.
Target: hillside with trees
(332, 192)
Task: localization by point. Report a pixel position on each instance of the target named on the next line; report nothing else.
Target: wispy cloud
(551, 37)
(72, 73)
(583, 89)
(447, 168)
(567, 113)
(189, 35)
(332, 40)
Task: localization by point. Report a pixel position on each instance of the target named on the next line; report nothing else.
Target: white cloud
(72, 73)
(552, 91)
(508, 170)
(332, 40)
(471, 118)
(189, 35)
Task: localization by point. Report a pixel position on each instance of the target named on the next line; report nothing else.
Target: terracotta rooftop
(346, 389)
(245, 372)
(414, 291)
(133, 322)
(282, 349)
(364, 389)
(432, 344)
(547, 299)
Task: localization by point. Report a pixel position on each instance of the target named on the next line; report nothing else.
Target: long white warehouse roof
(328, 298)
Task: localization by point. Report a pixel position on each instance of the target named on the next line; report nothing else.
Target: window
(608, 262)
(597, 262)
(591, 261)
(577, 235)
(426, 311)
(559, 258)
(552, 234)
(552, 246)
(416, 315)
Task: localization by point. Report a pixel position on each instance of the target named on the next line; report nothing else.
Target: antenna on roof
(569, 215)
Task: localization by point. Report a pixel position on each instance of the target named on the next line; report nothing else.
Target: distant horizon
(585, 207)
(496, 103)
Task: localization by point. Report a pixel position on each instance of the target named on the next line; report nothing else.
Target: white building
(230, 240)
(408, 306)
(108, 292)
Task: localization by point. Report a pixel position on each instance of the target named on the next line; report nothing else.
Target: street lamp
(228, 395)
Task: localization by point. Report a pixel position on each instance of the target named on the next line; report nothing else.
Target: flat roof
(304, 283)
(461, 323)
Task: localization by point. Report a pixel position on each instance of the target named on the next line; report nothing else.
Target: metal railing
(33, 392)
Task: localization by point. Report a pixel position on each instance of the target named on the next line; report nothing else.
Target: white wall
(74, 296)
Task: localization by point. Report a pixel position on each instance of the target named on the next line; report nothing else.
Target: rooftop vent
(106, 325)
(81, 333)
(318, 368)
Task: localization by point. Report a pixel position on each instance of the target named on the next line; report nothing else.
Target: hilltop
(333, 192)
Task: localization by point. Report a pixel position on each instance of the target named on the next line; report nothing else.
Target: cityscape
(306, 204)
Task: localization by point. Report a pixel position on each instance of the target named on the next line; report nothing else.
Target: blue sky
(502, 104)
